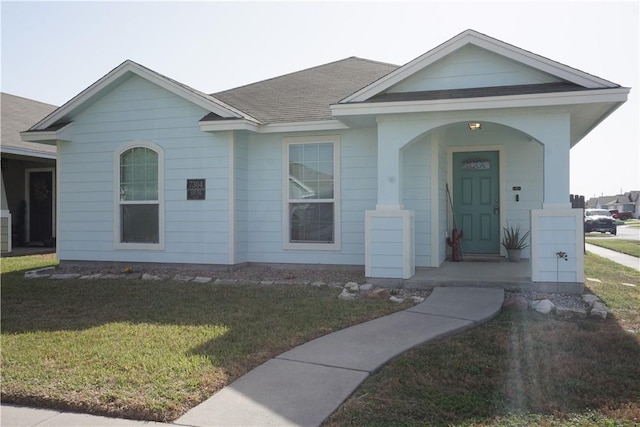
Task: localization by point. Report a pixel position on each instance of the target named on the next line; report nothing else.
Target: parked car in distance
(599, 220)
(621, 215)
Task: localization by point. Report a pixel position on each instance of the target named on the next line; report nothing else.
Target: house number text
(196, 189)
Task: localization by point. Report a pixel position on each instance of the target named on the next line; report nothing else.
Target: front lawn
(629, 247)
(150, 350)
(521, 369)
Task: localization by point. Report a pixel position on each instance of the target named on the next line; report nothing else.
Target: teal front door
(476, 201)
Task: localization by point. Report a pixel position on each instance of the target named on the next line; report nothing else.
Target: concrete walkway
(305, 385)
(620, 258)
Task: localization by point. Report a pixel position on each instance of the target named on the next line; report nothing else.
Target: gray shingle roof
(305, 95)
(18, 115)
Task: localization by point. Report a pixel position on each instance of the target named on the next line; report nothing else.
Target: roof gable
(115, 77)
(472, 67)
(474, 60)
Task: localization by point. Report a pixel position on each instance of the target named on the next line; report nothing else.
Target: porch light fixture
(474, 126)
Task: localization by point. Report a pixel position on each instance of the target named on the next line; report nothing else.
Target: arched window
(139, 197)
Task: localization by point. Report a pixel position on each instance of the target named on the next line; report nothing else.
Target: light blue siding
(138, 110)
(472, 67)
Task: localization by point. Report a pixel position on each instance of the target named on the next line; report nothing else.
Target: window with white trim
(139, 207)
(312, 193)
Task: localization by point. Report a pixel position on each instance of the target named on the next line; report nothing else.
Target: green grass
(150, 350)
(521, 369)
(629, 247)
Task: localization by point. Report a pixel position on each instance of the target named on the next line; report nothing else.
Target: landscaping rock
(91, 276)
(181, 278)
(346, 295)
(352, 287)
(64, 276)
(417, 299)
(39, 273)
(366, 287)
(318, 284)
(544, 306)
(113, 276)
(590, 299)
(146, 276)
(599, 310)
(396, 299)
(201, 279)
(571, 312)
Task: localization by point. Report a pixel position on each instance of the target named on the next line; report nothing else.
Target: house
(28, 177)
(627, 202)
(355, 162)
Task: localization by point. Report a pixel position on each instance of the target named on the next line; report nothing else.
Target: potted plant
(513, 242)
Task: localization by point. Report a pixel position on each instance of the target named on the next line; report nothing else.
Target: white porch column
(389, 229)
(557, 253)
(389, 166)
(557, 143)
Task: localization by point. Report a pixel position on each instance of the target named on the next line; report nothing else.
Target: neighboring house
(28, 177)
(627, 202)
(354, 162)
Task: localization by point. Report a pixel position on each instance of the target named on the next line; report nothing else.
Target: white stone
(366, 287)
(396, 299)
(64, 276)
(180, 278)
(570, 312)
(39, 273)
(318, 284)
(544, 306)
(590, 299)
(417, 299)
(91, 276)
(352, 287)
(201, 279)
(590, 279)
(146, 276)
(346, 295)
(599, 310)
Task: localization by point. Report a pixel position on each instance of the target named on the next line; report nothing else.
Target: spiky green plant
(512, 239)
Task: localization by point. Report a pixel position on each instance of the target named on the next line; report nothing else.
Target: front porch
(482, 272)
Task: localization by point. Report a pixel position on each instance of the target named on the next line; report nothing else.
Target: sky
(51, 51)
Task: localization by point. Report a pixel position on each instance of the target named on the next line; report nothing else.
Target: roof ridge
(304, 70)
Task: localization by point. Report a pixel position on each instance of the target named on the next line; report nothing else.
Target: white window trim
(117, 244)
(286, 228)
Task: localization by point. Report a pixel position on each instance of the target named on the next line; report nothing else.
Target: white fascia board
(484, 103)
(303, 126)
(226, 125)
(28, 153)
(205, 101)
(472, 37)
(47, 137)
